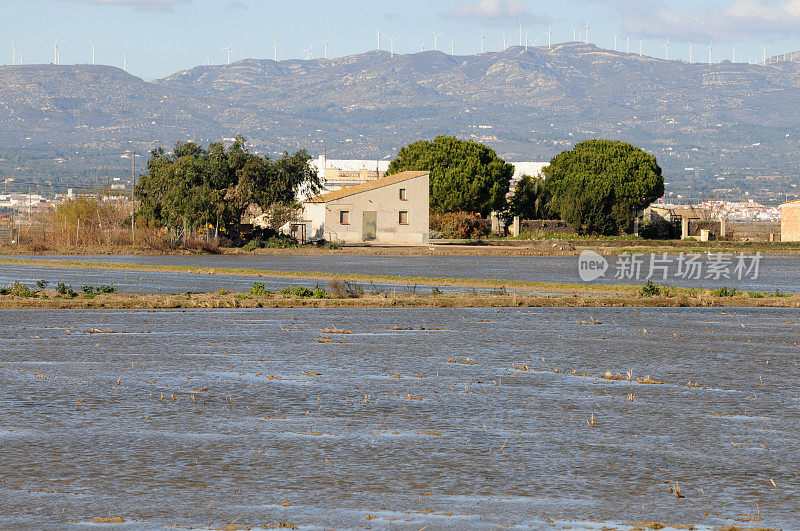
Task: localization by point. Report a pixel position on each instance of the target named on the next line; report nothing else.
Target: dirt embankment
(51, 300)
(492, 247)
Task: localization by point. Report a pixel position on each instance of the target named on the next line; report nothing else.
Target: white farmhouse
(389, 210)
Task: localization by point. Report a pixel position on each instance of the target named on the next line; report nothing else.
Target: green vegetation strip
(550, 287)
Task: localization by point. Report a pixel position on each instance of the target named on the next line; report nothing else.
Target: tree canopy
(531, 199)
(197, 186)
(599, 185)
(465, 175)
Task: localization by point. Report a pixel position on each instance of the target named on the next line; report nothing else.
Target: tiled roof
(365, 187)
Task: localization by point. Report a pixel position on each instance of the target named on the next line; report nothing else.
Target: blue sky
(164, 36)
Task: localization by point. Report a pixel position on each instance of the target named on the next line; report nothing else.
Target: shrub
(320, 293)
(259, 290)
(460, 225)
(650, 290)
(658, 230)
(42, 284)
(273, 242)
(252, 245)
(349, 290)
(63, 289)
(17, 289)
(331, 246)
(299, 291)
(725, 292)
(106, 289)
(87, 290)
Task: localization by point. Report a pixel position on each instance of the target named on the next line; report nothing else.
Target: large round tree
(599, 185)
(465, 175)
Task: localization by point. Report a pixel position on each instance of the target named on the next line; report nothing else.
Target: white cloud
(495, 12)
(743, 19)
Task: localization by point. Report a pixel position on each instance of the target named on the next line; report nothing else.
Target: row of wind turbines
(17, 58)
(579, 35)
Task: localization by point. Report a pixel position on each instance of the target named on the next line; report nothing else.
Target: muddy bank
(699, 299)
(493, 247)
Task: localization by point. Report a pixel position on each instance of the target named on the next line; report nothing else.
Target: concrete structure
(335, 174)
(393, 210)
(790, 221)
(686, 221)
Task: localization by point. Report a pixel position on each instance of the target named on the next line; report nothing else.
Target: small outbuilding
(389, 210)
(790, 221)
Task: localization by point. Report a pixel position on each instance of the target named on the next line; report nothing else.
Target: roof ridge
(366, 186)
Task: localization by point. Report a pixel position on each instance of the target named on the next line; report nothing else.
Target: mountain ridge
(527, 104)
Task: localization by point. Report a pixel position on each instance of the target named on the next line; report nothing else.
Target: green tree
(531, 199)
(599, 185)
(465, 175)
(194, 186)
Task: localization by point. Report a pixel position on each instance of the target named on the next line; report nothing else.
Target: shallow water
(777, 272)
(202, 418)
(138, 282)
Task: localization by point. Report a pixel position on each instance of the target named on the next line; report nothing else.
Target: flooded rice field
(139, 282)
(577, 418)
(776, 272)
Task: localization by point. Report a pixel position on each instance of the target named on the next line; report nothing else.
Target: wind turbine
(734, 55)
(710, 51)
(452, 46)
(436, 40)
(54, 46)
(615, 41)
(308, 52)
(208, 60)
(229, 49)
(325, 48)
(125, 60)
(13, 52)
(378, 36)
(765, 48)
(483, 38)
(667, 47)
(505, 42)
(691, 50)
(521, 32)
(641, 46)
(391, 45)
(628, 45)
(92, 49)
(549, 37)
(422, 46)
(586, 27)
(275, 47)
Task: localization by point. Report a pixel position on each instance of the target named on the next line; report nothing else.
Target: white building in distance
(336, 174)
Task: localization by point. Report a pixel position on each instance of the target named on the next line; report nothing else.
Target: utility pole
(133, 200)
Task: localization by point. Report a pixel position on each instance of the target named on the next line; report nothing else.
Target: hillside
(736, 126)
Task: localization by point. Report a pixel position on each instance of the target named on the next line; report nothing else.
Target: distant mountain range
(721, 130)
